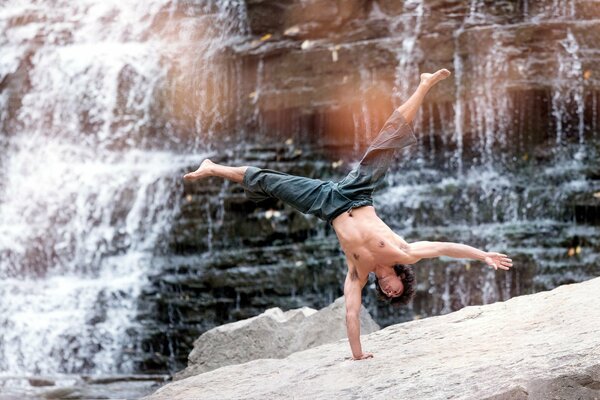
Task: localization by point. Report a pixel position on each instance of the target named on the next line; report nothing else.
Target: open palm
(498, 260)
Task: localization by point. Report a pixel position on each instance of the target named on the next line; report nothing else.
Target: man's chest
(364, 258)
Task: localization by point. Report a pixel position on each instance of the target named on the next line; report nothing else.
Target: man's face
(392, 286)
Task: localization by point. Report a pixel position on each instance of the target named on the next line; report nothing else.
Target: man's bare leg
(209, 168)
(411, 106)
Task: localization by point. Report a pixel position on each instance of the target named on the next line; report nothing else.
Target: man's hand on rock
(363, 356)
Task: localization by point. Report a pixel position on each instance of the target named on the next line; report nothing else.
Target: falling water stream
(91, 168)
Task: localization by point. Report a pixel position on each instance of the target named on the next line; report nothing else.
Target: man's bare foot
(203, 171)
(431, 79)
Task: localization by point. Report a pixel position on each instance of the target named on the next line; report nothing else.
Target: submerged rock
(272, 334)
(75, 386)
(40, 382)
(527, 347)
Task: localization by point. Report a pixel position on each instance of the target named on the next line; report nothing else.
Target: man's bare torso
(368, 242)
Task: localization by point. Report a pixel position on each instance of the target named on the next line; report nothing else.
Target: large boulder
(539, 346)
(272, 334)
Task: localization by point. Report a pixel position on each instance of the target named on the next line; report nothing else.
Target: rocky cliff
(536, 346)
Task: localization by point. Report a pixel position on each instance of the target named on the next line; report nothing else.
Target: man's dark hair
(407, 276)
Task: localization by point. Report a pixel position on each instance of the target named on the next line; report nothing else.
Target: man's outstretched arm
(353, 299)
(420, 250)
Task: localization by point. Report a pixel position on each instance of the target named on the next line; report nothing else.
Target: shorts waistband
(352, 205)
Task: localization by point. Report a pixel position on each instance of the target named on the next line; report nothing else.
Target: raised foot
(431, 79)
(203, 171)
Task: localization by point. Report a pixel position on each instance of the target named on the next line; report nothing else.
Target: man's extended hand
(498, 260)
(363, 356)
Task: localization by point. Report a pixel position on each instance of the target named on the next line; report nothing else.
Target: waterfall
(91, 158)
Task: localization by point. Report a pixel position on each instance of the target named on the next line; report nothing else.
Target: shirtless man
(368, 243)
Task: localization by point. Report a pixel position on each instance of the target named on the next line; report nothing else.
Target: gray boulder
(272, 334)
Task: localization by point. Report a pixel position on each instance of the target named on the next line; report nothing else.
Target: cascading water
(92, 163)
(567, 96)
(408, 26)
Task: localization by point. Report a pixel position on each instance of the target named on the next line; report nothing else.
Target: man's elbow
(437, 249)
(445, 248)
(352, 315)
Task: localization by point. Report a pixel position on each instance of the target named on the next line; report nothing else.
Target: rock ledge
(544, 345)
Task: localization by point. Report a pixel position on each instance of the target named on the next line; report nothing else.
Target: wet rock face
(306, 19)
(507, 159)
(522, 81)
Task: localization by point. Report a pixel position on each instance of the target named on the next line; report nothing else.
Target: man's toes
(443, 73)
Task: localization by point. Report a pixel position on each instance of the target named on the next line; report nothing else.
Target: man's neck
(382, 272)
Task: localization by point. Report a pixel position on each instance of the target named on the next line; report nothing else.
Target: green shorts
(329, 199)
